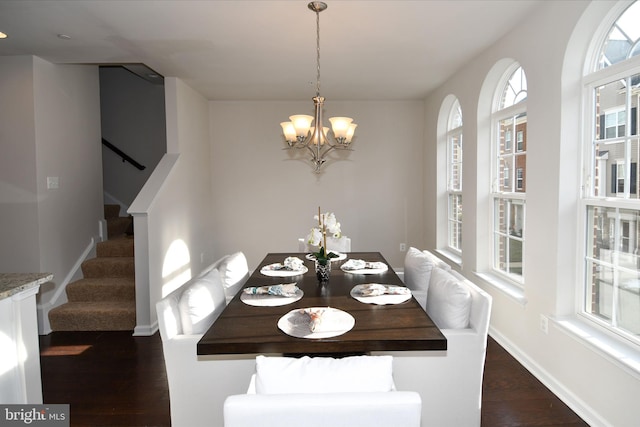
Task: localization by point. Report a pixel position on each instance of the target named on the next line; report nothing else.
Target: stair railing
(125, 156)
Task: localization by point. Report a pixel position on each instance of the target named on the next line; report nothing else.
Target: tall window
(611, 201)
(454, 178)
(509, 121)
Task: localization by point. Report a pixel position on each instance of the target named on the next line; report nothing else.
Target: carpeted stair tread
(102, 289)
(109, 267)
(117, 247)
(104, 300)
(94, 316)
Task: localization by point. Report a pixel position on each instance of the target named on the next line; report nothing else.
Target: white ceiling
(266, 50)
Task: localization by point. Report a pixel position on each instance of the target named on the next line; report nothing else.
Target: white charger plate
(271, 271)
(266, 300)
(356, 292)
(366, 270)
(334, 322)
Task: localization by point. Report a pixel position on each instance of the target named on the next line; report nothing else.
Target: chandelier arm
(328, 150)
(336, 147)
(297, 144)
(314, 156)
(322, 153)
(306, 141)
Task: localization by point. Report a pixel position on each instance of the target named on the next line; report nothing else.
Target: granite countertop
(12, 283)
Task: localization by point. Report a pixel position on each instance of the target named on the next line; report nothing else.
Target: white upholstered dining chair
(198, 385)
(449, 382)
(318, 392)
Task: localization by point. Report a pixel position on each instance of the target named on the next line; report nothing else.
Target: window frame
(498, 115)
(592, 80)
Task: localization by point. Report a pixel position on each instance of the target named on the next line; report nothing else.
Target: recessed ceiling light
(3, 35)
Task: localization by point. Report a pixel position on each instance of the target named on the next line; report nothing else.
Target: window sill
(619, 352)
(508, 288)
(451, 256)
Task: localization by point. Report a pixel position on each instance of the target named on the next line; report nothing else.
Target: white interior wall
(599, 389)
(173, 212)
(264, 201)
(18, 179)
(67, 126)
(49, 116)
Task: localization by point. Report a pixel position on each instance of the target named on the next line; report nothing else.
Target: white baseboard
(145, 330)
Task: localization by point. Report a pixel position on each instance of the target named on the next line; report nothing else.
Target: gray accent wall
(133, 119)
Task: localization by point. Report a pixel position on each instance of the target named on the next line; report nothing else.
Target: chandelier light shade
(303, 131)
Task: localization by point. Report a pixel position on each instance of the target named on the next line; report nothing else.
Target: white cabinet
(20, 380)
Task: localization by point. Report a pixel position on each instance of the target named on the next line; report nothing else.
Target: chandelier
(317, 139)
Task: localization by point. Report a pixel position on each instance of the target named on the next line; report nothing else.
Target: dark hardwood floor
(511, 396)
(115, 379)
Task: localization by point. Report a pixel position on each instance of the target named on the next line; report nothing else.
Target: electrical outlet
(544, 324)
(403, 247)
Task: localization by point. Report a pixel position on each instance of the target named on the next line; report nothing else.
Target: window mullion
(617, 244)
(627, 145)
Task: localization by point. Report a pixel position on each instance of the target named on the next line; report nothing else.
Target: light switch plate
(53, 182)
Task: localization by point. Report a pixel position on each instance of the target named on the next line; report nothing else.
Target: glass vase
(323, 271)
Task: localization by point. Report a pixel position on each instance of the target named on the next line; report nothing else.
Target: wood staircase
(104, 299)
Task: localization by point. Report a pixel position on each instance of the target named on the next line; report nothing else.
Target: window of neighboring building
(520, 141)
(454, 178)
(611, 294)
(519, 178)
(613, 123)
(510, 118)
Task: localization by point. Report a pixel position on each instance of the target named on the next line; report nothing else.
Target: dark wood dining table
(246, 329)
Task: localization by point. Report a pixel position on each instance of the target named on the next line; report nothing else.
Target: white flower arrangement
(328, 224)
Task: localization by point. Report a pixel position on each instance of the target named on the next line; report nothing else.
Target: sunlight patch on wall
(176, 268)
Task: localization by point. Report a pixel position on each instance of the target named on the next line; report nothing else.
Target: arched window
(611, 201)
(454, 178)
(623, 40)
(509, 122)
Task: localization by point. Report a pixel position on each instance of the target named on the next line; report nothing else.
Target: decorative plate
(296, 323)
(279, 270)
(266, 300)
(374, 293)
